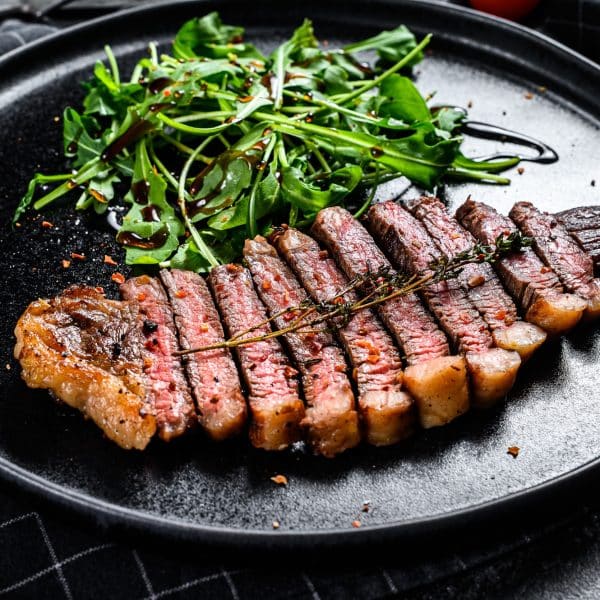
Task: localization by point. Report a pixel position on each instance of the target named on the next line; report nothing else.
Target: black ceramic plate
(222, 493)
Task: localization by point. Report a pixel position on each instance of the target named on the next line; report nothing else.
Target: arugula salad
(217, 142)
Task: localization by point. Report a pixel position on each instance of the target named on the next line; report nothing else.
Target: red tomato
(509, 9)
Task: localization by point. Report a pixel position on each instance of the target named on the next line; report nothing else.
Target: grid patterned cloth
(47, 555)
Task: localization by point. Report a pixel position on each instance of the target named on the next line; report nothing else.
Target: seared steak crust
(479, 280)
(583, 223)
(331, 418)
(86, 349)
(407, 243)
(270, 380)
(212, 374)
(558, 250)
(387, 413)
(357, 254)
(167, 386)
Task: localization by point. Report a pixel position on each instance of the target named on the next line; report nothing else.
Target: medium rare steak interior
(159, 360)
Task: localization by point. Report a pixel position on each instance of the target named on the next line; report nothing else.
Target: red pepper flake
(356, 524)
(373, 358)
(545, 269)
(266, 285)
(141, 297)
(47, 225)
(180, 294)
(323, 254)
(108, 260)
(118, 278)
(276, 524)
(513, 451)
(280, 479)
(65, 263)
(290, 316)
(77, 256)
(233, 268)
(528, 96)
(338, 300)
(290, 371)
(203, 327)
(99, 289)
(521, 170)
(167, 93)
(340, 368)
(500, 315)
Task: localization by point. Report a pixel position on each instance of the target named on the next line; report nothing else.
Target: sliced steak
(387, 412)
(168, 389)
(439, 387)
(558, 250)
(583, 223)
(87, 350)
(478, 280)
(212, 374)
(331, 419)
(534, 285)
(276, 407)
(409, 246)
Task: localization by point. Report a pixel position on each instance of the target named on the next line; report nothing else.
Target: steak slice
(439, 385)
(212, 374)
(270, 380)
(559, 251)
(166, 384)
(533, 285)
(331, 419)
(478, 280)
(583, 223)
(407, 243)
(387, 412)
(86, 350)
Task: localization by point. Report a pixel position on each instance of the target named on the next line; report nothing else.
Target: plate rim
(111, 514)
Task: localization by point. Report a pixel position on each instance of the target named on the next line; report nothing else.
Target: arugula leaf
(402, 100)
(77, 137)
(208, 37)
(391, 46)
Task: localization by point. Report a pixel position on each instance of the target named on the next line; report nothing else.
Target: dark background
(48, 555)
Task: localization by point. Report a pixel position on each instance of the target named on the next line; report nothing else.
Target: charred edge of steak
(331, 419)
(212, 374)
(386, 412)
(478, 280)
(557, 249)
(356, 252)
(583, 224)
(276, 407)
(66, 345)
(410, 247)
(163, 373)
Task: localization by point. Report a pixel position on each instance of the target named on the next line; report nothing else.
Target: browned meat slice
(270, 379)
(167, 387)
(583, 223)
(86, 350)
(439, 385)
(387, 412)
(410, 247)
(534, 285)
(331, 418)
(558, 250)
(478, 280)
(212, 374)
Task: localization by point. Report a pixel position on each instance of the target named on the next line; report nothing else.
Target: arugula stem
(114, 67)
(343, 98)
(251, 224)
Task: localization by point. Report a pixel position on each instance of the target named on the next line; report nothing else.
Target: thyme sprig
(381, 285)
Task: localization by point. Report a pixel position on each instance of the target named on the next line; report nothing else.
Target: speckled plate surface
(222, 494)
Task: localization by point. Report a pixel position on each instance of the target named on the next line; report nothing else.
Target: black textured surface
(506, 567)
(195, 483)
